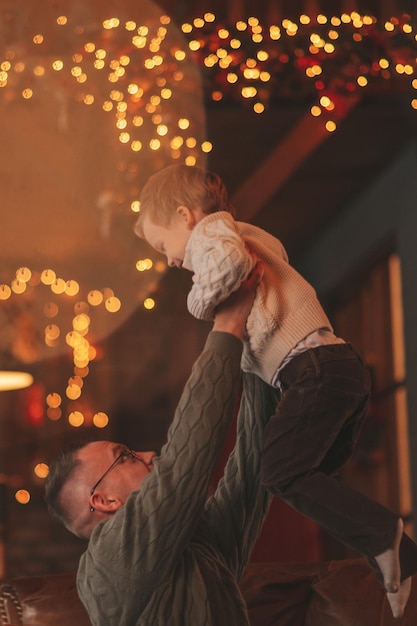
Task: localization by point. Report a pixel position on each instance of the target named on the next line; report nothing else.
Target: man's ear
(186, 215)
(105, 504)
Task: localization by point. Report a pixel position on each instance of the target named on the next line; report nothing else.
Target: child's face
(169, 240)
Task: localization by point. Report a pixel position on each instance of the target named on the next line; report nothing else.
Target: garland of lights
(323, 59)
(330, 57)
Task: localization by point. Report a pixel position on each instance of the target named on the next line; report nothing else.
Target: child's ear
(186, 215)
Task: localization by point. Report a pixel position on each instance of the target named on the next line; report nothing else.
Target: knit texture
(286, 308)
(169, 557)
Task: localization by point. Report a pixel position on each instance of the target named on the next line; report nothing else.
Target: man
(159, 552)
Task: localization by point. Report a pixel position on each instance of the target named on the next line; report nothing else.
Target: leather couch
(334, 593)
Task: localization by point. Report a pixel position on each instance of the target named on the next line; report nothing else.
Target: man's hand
(231, 315)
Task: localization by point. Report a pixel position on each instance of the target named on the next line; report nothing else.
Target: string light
(131, 71)
(22, 496)
(75, 338)
(41, 470)
(247, 61)
(268, 63)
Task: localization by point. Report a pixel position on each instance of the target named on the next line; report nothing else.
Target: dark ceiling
(328, 177)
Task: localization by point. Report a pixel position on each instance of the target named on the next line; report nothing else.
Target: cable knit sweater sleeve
(138, 565)
(219, 260)
(239, 492)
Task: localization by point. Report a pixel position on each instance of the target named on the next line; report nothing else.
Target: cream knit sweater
(286, 308)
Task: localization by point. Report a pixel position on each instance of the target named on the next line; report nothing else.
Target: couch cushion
(42, 601)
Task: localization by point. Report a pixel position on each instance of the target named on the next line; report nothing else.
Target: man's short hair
(60, 472)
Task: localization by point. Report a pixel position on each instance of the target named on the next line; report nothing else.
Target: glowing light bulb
(23, 273)
(113, 304)
(81, 322)
(41, 470)
(52, 332)
(73, 392)
(95, 297)
(58, 286)
(22, 496)
(5, 292)
(149, 304)
(48, 277)
(100, 420)
(76, 419)
(18, 286)
(53, 400)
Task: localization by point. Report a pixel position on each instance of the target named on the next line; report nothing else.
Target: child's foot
(389, 563)
(399, 599)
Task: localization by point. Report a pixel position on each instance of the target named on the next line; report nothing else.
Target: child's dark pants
(325, 392)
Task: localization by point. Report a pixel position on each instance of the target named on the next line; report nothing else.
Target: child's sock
(389, 562)
(399, 599)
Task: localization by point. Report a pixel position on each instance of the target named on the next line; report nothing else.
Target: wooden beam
(283, 161)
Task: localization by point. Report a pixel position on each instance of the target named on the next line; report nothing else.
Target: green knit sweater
(170, 556)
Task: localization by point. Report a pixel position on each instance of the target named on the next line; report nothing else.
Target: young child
(324, 384)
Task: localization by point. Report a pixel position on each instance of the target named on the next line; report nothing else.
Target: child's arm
(220, 261)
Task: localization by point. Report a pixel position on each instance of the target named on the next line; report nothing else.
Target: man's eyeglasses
(123, 454)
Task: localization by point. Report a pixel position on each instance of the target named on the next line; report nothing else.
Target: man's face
(114, 468)
(103, 483)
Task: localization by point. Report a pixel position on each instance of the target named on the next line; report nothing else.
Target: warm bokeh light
(50, 309)
(76, 419)
(18, 286)
(48, 276)
(23, 274)
(81, 307)
(160, 266)
(53, 400)
(54, 414)
(58, 286)
(149, 304)
(10, 380)
(72, 288)
(113, 304)
(100, 420)
(144, 264)
(5, 292)
(41, 470)
(81, 322)
(76, 380)
(22, 496)
(73, 338)
(73, 392)
(52, 332)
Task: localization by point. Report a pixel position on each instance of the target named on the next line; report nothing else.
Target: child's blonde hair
(180, 185)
